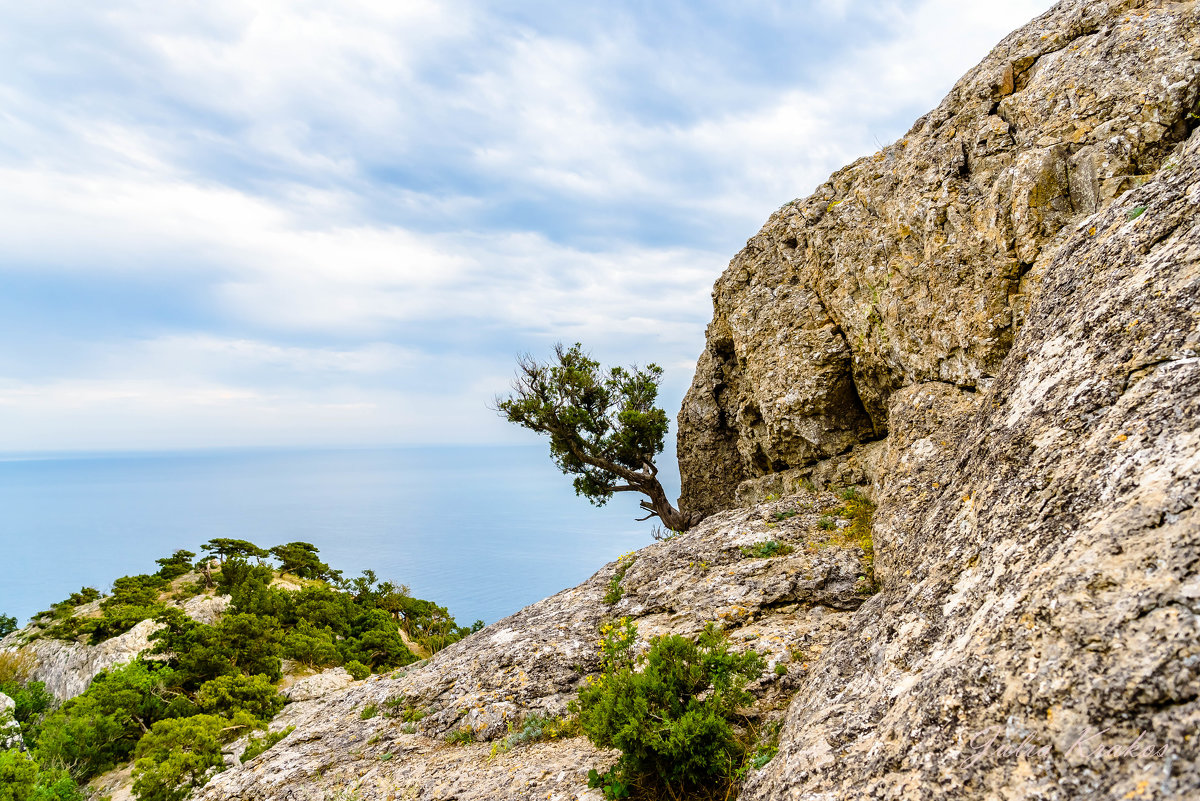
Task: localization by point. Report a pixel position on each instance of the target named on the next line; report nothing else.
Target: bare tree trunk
(659, 506)
(646, 482)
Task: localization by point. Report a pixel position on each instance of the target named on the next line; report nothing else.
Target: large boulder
(916, 264)
(1038, 635)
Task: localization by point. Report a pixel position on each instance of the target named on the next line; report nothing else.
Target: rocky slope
(788, 607)
(996, 321)
(67, 668)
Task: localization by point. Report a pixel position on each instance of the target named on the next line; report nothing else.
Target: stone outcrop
(10, 730)
(320, 684)
(1039, 546)
(917, 264)
(68, 667)
(787, 607)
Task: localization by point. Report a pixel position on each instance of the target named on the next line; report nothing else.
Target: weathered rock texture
(916, 264)
(1039, 547)
(68, 667)
(1006, 306)
(787, 607)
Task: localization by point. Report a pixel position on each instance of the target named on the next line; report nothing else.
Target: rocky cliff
(919, 263)
(67, 668)
(995, 321)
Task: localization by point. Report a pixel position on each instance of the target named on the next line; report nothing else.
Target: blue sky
(317, 223)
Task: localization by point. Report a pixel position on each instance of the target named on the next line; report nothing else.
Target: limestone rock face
(916, 264)
(206, 609)
(323, 683)
(784, 607)
(68, 668)
(1039, 546)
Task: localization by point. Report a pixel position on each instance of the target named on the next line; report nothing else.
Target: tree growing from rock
(604, 427)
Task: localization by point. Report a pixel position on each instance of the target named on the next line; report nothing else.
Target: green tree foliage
(357, 670)
(238, 643)
(17, 775)
(31, 701)
(311, 646)
(225, 696)
(23, 778)
(177, 756)
(324, 608)
(669, 711)
(376, 642)
(98, 729)
(133, 599)
(173, 566)
(215, 681)
(604, 427)
(301, 560)
(224, 548)
(239, 575)
(8, 624)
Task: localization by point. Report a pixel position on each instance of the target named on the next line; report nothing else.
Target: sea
(483, 531)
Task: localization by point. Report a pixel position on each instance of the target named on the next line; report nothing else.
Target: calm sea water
(483, 531)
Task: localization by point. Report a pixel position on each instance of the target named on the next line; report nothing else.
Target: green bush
(765, 550)
(311, 646)
(178, 755)
(177, 564)
(100, 728)
(238, 643)
(225, 696)
(375, 641)
(32, 701)
(259, 744)
(23, 778)
(301, 560)
(614, 592)
(8, 624)
(217, 680)
(133, 599)
(668, 711)
(461, 736)
(18, 774)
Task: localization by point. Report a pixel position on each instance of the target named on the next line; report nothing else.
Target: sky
(337, 223)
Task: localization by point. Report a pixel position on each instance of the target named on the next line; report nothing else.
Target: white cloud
(375, 198)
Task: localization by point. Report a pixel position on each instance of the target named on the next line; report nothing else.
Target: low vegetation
(765, 550)
(204, 685)
(671, 712)
(536, 728)
(614, 592)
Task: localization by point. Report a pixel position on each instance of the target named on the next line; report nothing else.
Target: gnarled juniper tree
(604, 428)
